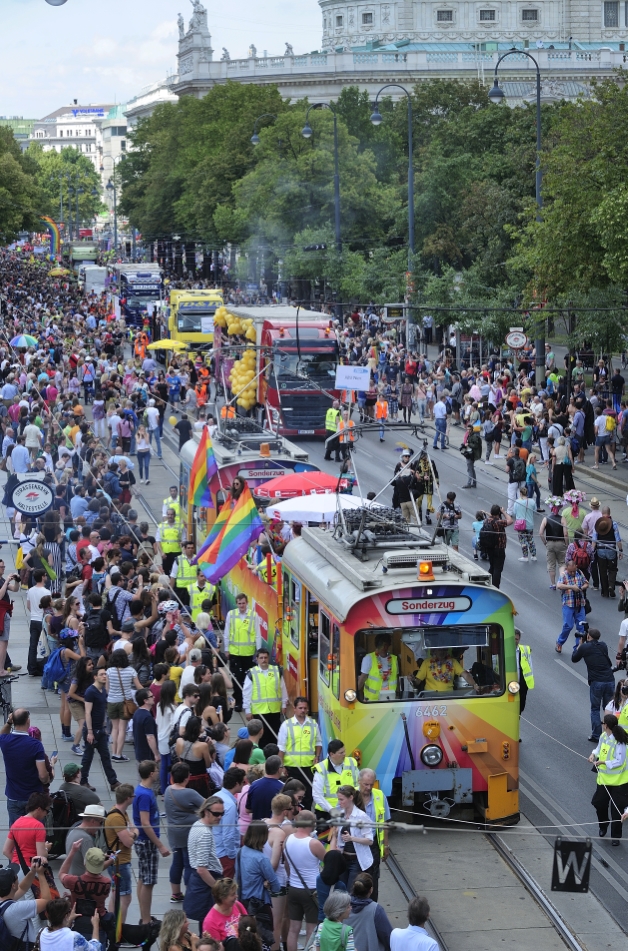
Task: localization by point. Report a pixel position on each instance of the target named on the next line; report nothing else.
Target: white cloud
(106, 50)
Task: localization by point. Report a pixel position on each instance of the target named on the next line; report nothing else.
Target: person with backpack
(493, 541)
(524, 524)
(580, 551)
(99, 628)
(516, 476)
(90, 890)
(18, 912)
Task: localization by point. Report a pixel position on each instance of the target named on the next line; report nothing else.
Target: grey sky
(107, 50)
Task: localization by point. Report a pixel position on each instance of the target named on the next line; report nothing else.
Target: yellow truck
(191, 316)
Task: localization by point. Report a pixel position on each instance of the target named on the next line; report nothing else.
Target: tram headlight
(514, 687)
(351, 696)
(431, 755)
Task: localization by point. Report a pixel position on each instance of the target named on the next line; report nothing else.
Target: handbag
(129, 705)
(313, 892)
(520, 525)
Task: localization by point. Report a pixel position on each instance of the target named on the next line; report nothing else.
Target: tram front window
(417, 663)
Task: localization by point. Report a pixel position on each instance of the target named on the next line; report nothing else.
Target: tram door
(312, 648)
(294, 641)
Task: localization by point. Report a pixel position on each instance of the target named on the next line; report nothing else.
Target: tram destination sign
(427, 605)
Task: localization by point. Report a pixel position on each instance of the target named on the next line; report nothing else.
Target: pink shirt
(590, 521)
(220, 926)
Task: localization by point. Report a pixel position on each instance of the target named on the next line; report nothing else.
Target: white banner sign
(352, 378)
(207, 325)
(427, 605)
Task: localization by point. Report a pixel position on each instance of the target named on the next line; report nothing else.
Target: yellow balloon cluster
(235, 326)
(242, 379)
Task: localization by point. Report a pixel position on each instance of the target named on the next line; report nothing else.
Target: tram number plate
(439, 710)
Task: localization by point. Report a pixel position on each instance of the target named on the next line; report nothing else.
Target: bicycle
(6, 700)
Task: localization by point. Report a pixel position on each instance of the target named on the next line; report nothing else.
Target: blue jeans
(164, 772)
(157, 433)
(599, 693)
(441, 429)
(572, 617)
(532, 489)
(180, 867)
(16, 810)
(143, 461)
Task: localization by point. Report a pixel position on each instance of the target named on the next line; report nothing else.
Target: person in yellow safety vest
(168, 540)
(623, 704)
(346, 434)
(172, 502)
(262, 568)
(524, 670)
(375, 805)
(200, 592)
(611, 760)
(240, 641)
(336, 770)
(379, 673)
(264, 696)
(332, 419)
(183, 573)
(300, 746)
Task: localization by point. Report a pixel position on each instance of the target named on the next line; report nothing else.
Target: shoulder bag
(129, 704)
(312, 891)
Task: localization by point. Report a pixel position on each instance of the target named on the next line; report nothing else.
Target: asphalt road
(556, 779)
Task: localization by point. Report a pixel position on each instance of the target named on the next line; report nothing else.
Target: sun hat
(95, 861)
(93, 812)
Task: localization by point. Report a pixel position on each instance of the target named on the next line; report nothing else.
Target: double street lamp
(496, 95)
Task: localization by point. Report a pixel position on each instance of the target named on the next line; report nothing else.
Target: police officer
(300, 746)
(332, 419)
(611, 761)
(199, 592)
(168, 540)
(264, 695)
(172, 502)
(524, 670)
(240, 641)
(379, 673)
(336, 770)
(375, 805)
(183, 574)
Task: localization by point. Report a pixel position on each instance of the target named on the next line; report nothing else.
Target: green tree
(19, 194)
(60, 174)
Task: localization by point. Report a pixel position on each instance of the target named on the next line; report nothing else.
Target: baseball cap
(128, 626)
(70, 770)
(243, 733)
(95, 861)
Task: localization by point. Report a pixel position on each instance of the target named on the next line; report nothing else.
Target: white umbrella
(313, 508)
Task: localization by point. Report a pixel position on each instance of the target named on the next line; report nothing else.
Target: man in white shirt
(195, 659)
(414, 937)
(152, 419)
(33, 438)
(20, 456)
(33, 601)
(113, 422)
(440, 420)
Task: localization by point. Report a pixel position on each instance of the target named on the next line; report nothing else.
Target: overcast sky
(107, 50)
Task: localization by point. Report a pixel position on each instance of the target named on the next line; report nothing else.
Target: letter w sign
(572, 865)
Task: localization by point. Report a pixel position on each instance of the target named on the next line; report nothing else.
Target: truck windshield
(195, 321)
(317, 367)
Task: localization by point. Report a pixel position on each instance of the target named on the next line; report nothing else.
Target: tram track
(409, 892)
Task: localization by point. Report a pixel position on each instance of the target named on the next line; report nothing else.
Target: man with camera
(594, 653)
(19, 911)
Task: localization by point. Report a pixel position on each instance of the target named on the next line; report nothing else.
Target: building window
(611, 13)
(61, 134)
(530, 15)
(123, 145)
(486, 15)
(445, 16)
(367, 18)
(338, 21)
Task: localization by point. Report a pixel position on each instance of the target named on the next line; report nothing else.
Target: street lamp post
(306, 132)
(111, 186)
(255, 136)
(70, 218)
(496, 95)
(377, 120)
(79, 191)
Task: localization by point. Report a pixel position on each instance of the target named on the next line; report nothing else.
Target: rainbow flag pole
(242, 527)
(204, 468)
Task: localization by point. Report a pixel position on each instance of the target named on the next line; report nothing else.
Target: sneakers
(148, 482)
(120, 759)
(77, 750)
(523, 559)
(533, 558)
(176, 898)
(141, 482)
(67, 738)
(487, 462)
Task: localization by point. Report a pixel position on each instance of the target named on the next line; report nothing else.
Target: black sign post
(572, 865)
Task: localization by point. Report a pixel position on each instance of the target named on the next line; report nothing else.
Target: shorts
(148, 862)
(452, 536)
(4, 635)
(603, 440)
(77, 710)
(556, 551)
(124, 871)
(115, 711)
(301, 905)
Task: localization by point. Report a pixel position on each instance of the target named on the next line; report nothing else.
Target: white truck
(92, 278)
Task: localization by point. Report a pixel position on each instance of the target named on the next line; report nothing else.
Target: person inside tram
(439, 670)
(379, 672)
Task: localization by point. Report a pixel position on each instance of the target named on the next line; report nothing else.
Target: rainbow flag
(203, 469)
(215, 531)
(241, 529)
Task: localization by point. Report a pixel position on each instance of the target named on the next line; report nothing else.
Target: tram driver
(379, 672)
(439, 670)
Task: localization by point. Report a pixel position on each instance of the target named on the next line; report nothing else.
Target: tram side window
(335, 661)
(415, 663)
(183, 488)
(295, 601)
(324, 648)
